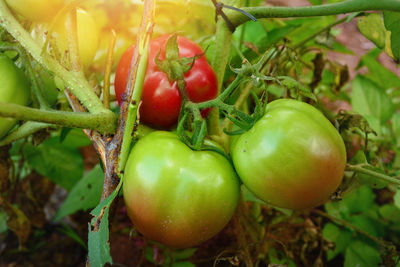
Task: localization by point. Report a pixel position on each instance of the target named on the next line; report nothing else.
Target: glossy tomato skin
(14, 88)
(161, 100)
(177, 196)
(292, 158)
(36, 10)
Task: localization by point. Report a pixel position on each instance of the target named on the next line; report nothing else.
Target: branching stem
(343, 7)
(74, 81)
(374, 174)
(82, 120)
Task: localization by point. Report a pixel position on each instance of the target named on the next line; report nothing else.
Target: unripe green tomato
(14, 88)
(292, 158)
(36, 10)
(177, 196)
(88, 37)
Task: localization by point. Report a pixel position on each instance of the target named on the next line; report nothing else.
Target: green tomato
(14, 88)
(88, 35)
(292, 158)
(36, 10)
(177, 196)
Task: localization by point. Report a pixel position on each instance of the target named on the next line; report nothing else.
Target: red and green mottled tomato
(161, 101)
(88, 35)
(14, 88)
(292, 158)
(36, 10)
(177, 196)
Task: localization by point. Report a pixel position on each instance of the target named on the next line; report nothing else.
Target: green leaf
(341, 238)
(60, 163)
(369, 99)
(358, 201)
(308, 27)
(98, 238)
(86, 194)
(372, 27)
(69, 231)
(379, 74)
(366, 224)
(74, 138)
(274, 36)
(183, 254)
(392, 24)
(390, 213)
(361, 254)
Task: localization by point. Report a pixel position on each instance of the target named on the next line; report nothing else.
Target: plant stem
(311, 37)
(350, 226)
(74, 81)
(223, 37)
(82, 120)
(311, 11)
(374, 174)
(23, 131)
(134, 104)
(117, 150)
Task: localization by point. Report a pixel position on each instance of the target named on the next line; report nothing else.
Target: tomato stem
(25, 130)
(348, 6)
(219, 61)
(373, 174)
(75, 82)
(82, 120)
(136, 81)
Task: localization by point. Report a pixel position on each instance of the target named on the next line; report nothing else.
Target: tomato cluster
(292, 157)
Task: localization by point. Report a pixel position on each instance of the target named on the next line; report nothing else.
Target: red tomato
(161, 100)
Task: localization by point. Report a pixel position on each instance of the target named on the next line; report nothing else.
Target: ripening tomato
(177, 196)
(88, 37)
(292, 158)
(161, 100)
(14, 88)
(36, 10)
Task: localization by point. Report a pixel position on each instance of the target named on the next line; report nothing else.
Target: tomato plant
(35, 10)
(177, 196)
(14, 89)
(87, 33)
(180, 189)
(292, 158)
(161, 100)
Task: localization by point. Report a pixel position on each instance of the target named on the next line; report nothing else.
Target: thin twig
(350, 226)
